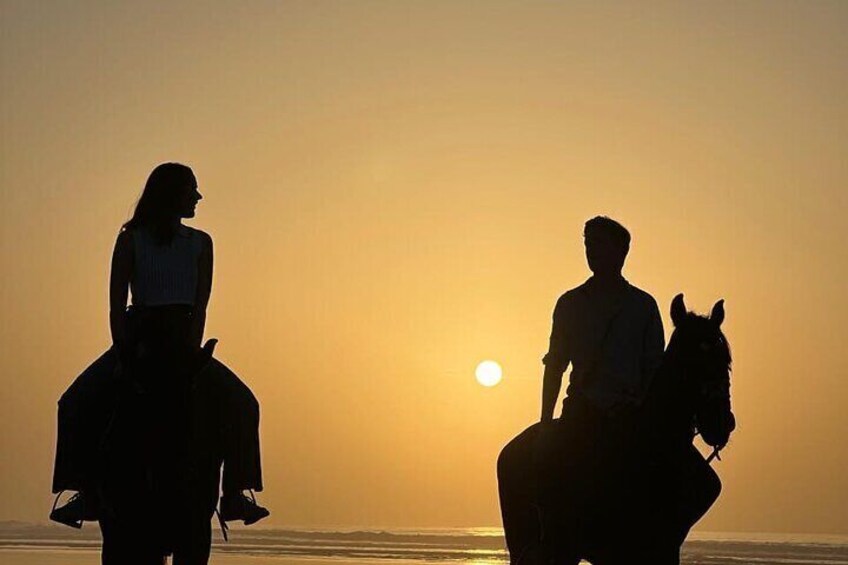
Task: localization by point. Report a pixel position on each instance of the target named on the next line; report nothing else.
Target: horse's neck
(668, 411)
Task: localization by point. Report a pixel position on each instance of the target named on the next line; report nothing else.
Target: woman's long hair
(159, 205)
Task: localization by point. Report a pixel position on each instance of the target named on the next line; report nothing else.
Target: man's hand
(544, 456)
(544, 446)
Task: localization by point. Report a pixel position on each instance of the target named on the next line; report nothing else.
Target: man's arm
(556, 361)
(551, 385)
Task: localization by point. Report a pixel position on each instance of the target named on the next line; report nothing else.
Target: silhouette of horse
(161, 461)
(153, 449)
(626, 488)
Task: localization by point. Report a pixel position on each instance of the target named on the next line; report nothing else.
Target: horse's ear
(678, 310)
(717, 315)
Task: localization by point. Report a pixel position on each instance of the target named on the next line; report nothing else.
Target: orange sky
(397, 190)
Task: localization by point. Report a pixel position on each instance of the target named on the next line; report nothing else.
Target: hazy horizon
(396, 192)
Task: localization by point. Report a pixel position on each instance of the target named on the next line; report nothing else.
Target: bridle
(711, 390)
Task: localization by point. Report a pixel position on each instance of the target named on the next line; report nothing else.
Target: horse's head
(701, 354)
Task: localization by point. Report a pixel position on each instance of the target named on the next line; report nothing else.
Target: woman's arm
(204, 291)
(119, 281)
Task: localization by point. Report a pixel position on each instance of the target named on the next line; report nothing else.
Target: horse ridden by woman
(632, 490)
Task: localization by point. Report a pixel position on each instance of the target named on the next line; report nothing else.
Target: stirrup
(224, 527)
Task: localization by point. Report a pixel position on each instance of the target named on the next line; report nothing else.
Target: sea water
(28, 544)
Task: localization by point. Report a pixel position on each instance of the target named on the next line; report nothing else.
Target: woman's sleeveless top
(165, 273)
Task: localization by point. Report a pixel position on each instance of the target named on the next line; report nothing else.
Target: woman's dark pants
(150, 441)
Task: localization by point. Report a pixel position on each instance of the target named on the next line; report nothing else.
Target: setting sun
(488, 373)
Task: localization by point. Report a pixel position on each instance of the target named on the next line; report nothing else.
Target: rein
(714, 455)
(712, 390)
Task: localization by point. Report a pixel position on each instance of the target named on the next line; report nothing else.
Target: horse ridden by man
(616, 479)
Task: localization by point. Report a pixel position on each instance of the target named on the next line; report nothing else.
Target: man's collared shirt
(614, 341)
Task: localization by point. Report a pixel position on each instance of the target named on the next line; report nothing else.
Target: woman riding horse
(144, 430)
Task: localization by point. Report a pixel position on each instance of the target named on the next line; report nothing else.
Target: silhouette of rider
(607, 329)
(611, 334)
(143, 431)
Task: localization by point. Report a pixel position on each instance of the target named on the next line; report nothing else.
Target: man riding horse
(611, 333)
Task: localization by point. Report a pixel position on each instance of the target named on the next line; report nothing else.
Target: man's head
(607, 243)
